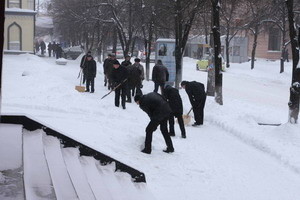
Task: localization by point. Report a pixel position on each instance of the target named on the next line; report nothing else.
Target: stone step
(76, 172)
(62, 183)
(37, 180)
(97, 183)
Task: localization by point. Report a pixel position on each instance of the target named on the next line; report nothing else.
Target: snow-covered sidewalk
(230, 157)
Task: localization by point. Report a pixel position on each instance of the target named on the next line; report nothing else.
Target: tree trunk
(227, 50)
(282, 60)
(283, 40)
(255, 33)
(217, 50)
(294, 96)
(115, 40)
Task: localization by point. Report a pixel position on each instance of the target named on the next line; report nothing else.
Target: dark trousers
(49, 52)
(198, 110)
(156, 85)
(128, 93)
(120, 91)
(180, 122)
(137, 90)
(90, 81)
(105, 80)
(152, 126)
(110, 83)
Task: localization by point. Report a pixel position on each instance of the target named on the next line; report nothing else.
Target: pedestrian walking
(159, 111)
(90, 69)
(54, 47)
(197, 96)
(49, 48)
(160, 76)
(43, 47)
(119, 77)
(59, 51)
(108, 70)
(173, 97)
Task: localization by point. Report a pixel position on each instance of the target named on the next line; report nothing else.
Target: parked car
(72, 52)
(202, 64)
(152, 57)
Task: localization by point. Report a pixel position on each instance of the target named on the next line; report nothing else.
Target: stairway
(53, 172)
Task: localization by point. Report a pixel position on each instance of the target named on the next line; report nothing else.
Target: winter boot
(147, 151)
(169, 150)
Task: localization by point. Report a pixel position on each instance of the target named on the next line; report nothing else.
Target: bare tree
(231, 23)
(184, 14)
(259, 13)
(295, 86)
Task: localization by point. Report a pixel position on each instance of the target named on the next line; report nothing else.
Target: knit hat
(116, 62)
(137, 97)
(183, 83)
(137, 60)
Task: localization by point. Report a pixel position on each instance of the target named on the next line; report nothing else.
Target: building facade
(19, 26)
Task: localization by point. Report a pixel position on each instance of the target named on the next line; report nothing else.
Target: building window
(14, 37)
(274, 39)
(14, 3)
(30, 4)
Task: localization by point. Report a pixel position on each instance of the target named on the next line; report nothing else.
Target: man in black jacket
(197, 96)
(160, 76)
(174, 99)
(105, 65)
(119, 76)
(90, 70)
(159, 111)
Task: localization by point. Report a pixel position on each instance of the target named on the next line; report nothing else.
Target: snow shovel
(187, 118)
(80, 88)
(114, 89)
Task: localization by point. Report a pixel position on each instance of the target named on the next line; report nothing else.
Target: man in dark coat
(108, 70)
(138, 76)
(126, 62)
(105, 63)
(159, 111)
(82, 65)
(160, 76)
(90, 70)
(119, 77)
(43, 47)
(173, 97)
(49, 49)
(59, 51)
(197, 96)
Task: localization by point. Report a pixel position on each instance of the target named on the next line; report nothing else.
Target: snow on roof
(165, 40)
(20, 10)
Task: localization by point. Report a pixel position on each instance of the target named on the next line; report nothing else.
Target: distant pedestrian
(90, 68)
(37, 46)
(197, 96)
(159, 111)
(286, 55)
(139, 80)
(173, 97)
(108, 71)
(105, 65)
(160, 76)
(49, 48)
(119, 77)
(54, 47)
(82, 64)
(43, 47)
(59, 51)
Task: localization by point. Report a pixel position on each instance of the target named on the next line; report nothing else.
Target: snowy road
(230, 157)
